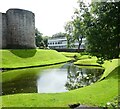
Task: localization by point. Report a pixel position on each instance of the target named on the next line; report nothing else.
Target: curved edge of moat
(88, 65)
(34, 66)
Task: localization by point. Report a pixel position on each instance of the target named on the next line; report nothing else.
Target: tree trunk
(80, 42)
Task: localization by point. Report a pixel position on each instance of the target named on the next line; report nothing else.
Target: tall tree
(76, 28)
(69, 34)
(99, 23)
(103, 35)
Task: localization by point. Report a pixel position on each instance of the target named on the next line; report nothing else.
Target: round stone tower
(20, 29)
(4, 30)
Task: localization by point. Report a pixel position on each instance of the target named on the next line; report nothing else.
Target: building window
(59, 42)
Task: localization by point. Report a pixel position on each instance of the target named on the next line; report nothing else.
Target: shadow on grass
(24, 53)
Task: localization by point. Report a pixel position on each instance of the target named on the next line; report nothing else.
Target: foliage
(58, 35)
(41, 41)
(99, 23)
(114, 104)
(103, 33)
(45, 40)
(76, 28)
(38, 38)
(69, 29)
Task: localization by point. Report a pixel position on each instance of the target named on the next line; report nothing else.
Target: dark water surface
(51, 80)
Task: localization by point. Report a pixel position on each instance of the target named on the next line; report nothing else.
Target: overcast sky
(50, 15)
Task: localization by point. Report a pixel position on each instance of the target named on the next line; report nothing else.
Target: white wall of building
(61, 43)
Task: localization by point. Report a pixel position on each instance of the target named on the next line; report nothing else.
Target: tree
(99, 23)
(41, 41)
(38, 38)
(76, 29)
(69, 34)
(58, 35)
(103, 35)
(45, 40)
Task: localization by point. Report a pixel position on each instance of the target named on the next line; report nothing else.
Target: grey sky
(50, 15)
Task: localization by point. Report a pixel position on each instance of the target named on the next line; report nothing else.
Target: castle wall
(21, 29)
(4, 30)
(0, 30)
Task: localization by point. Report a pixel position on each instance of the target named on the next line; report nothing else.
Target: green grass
(97, 94)
(79, 56)
(70, 54)
(87, 61)
(110, 66)
(30, 57)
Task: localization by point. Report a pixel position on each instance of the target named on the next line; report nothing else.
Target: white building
(61, 43)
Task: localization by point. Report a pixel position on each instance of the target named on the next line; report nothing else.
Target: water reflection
(52, 80)
(24, 84)
(80, 77)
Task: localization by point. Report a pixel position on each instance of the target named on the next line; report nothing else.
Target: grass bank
(70, 54)
(97, 94)
(30, 57)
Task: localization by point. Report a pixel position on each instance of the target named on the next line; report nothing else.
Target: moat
(60, 78)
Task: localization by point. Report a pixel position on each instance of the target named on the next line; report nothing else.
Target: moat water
(58, 79)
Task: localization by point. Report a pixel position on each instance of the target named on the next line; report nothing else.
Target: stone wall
(0, 30)
(18, 29)
(4, 30)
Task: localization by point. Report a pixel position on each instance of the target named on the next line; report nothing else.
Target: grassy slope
(73, 54)
(97, 94)
(70, 54)
(87, 61)
(110, 66)
(22, 58)
(82, 59)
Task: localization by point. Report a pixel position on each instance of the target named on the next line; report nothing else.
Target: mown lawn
(70, 54)
(76, 55)
(97, 94)
(30, 57)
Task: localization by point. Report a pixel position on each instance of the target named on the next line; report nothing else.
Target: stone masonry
(0, 30)
(17, 29)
